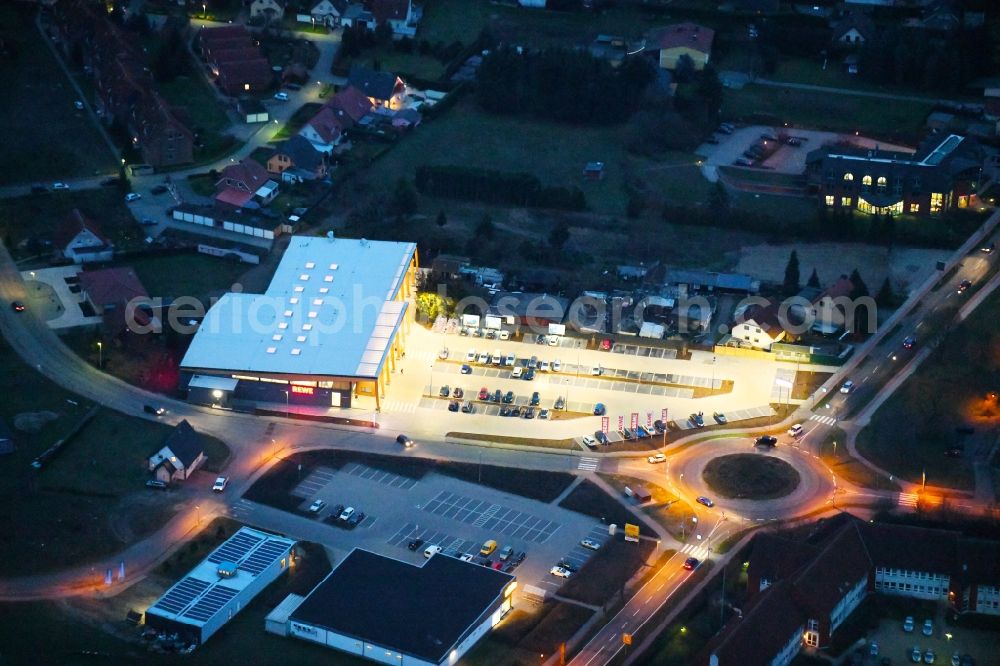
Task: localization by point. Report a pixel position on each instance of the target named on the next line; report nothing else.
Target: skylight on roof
(313, 314)
(328, 278)
(301, 338)
(310, 264)
(296, 351)
(276, 337)
(307, 327)
(333, 267)
(288, 313)
(271, 350)
(304, 277)
(324, 290)
(283, 325)
(299, 289)
(317, 301)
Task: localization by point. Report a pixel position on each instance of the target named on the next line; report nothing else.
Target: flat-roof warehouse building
(327, 331)
(398, 613)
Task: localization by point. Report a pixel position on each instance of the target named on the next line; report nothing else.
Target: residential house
(758, 326)
(296, 160)
(825, 310)
(245, 184)
(234, 57)
(125, 92)
(357, 15)
(943, 174)
(180, 455)
(79, 239)
(119, 297)
(328, 12)
(325, 130)
(672, 42)
(352, 103)
(405, 119)
(400, 15)
(383, 89)
(801, 587)
(267, 10)
(609, 47)
(855, 29)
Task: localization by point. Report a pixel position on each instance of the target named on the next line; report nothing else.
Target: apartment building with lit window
(942, 175)
(801, 587)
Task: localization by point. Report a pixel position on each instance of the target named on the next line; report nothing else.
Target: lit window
(307, 327)
(271, 350)
(914, 208)
(867, 181)
(313, 314)
(845, 201)
(848, 177)
(276, 337)
(829, 200)
(296, 351)
(937, 202)
(299, 289)
(328, 278)
(310, 264)
(881, 183)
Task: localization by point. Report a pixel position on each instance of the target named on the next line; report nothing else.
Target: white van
(795, 430)
(431, 551)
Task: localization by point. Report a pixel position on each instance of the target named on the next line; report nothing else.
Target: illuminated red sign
(304, 390)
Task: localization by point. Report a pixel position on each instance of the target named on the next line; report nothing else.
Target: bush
(500, 187)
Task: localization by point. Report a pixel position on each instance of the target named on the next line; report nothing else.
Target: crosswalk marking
(908, 499)
(588, 464)
(400, 406)
(695, 551)
(827, 420)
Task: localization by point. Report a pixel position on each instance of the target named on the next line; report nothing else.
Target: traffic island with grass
(750, 476)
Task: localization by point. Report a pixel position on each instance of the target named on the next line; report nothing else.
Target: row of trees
(498, 187)
(677, 123)
(907, 58)
(565, 85)
(885, 298)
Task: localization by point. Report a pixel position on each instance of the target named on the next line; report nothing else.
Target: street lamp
(197, 508)
(287, 409)
(204, 10)
(100, 354)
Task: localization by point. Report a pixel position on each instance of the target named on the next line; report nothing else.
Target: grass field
(911, 431)
(589, 499)
(206, 116)
(51, 139)
(848, 467)
(665, 508)
(89, 500)
(750, 476)
(38, 216)
(193, 274)
(838, 113)
(607, 571)
(404, 64)
(528, 632)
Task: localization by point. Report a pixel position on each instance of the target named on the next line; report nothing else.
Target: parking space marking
(491, 516)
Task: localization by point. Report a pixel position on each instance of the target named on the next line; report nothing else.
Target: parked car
(916, 655)
(515, 411)
(484, 358)
(281, 96)
(928, 628)
(540, 340)
(60, 186)
(658, 458)
(535, 399)
(705, 501)
(988, 249)
(659, 426)
(560, 403)
(466, 557)
(908, 624)
(543, 414)
(552, 341)
(508, 397)
(543, 366)
(697, 420)
(431, 551)
(404, 441)
(720, 418)
(796, 430)
(457, 392)
(793, 141)
(488, 548)
(445, 391)
(517, 372)
(589, 442)
(468, 407)
(606, 345)
(470, 355)
(484, 393)
(510, 360)
(132, 196)
(504, 410)
(503, 335)
(497, 395)
(528, 413)
(929, 657)
(528, 375)
(766, 440)
(591, 544)
(317, 506)
(156, 483)
(506, 552)
(220, 484)
(597, 371)
(743, 162)
(627, 433)
(158, 189)
(443, 354)
(466, 369)
(415, 544)
(568, 566)
(560, 572)
(601, 437)
(691, 563)
(454, 406)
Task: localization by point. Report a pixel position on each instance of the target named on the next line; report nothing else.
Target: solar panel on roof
(180, 595)
(234, 549)
(263, 557)
(210, 604)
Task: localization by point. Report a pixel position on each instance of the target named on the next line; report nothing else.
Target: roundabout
(750, 476)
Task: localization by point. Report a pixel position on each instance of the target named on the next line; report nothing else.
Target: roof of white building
(329, 310)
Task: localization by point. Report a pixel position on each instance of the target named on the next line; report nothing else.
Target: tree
(441, 219)
(485, 228)
(431, 305)
(383, 34)
(404, 198)
(684, 69)
(886, 297)
(791, 283)
(559, 235)
(813, 280)
(718, 199)
(859, 287)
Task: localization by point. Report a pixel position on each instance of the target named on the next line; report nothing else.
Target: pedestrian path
(908, 499)
(401, 406)
(826, 420)
(589, 464)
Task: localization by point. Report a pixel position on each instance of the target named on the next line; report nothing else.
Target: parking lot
(945, 641)
(456, 515)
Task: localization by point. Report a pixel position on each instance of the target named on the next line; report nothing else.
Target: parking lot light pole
(287, 408)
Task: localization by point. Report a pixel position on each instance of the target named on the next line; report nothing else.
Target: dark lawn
(527, 632)
(189, 274)
(49, 137)
(196, 101)
(750, 476)
(589, 499)
(607, 571)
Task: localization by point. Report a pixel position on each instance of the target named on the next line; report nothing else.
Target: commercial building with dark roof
(943, 174)
(391, 611)
(801, 588)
